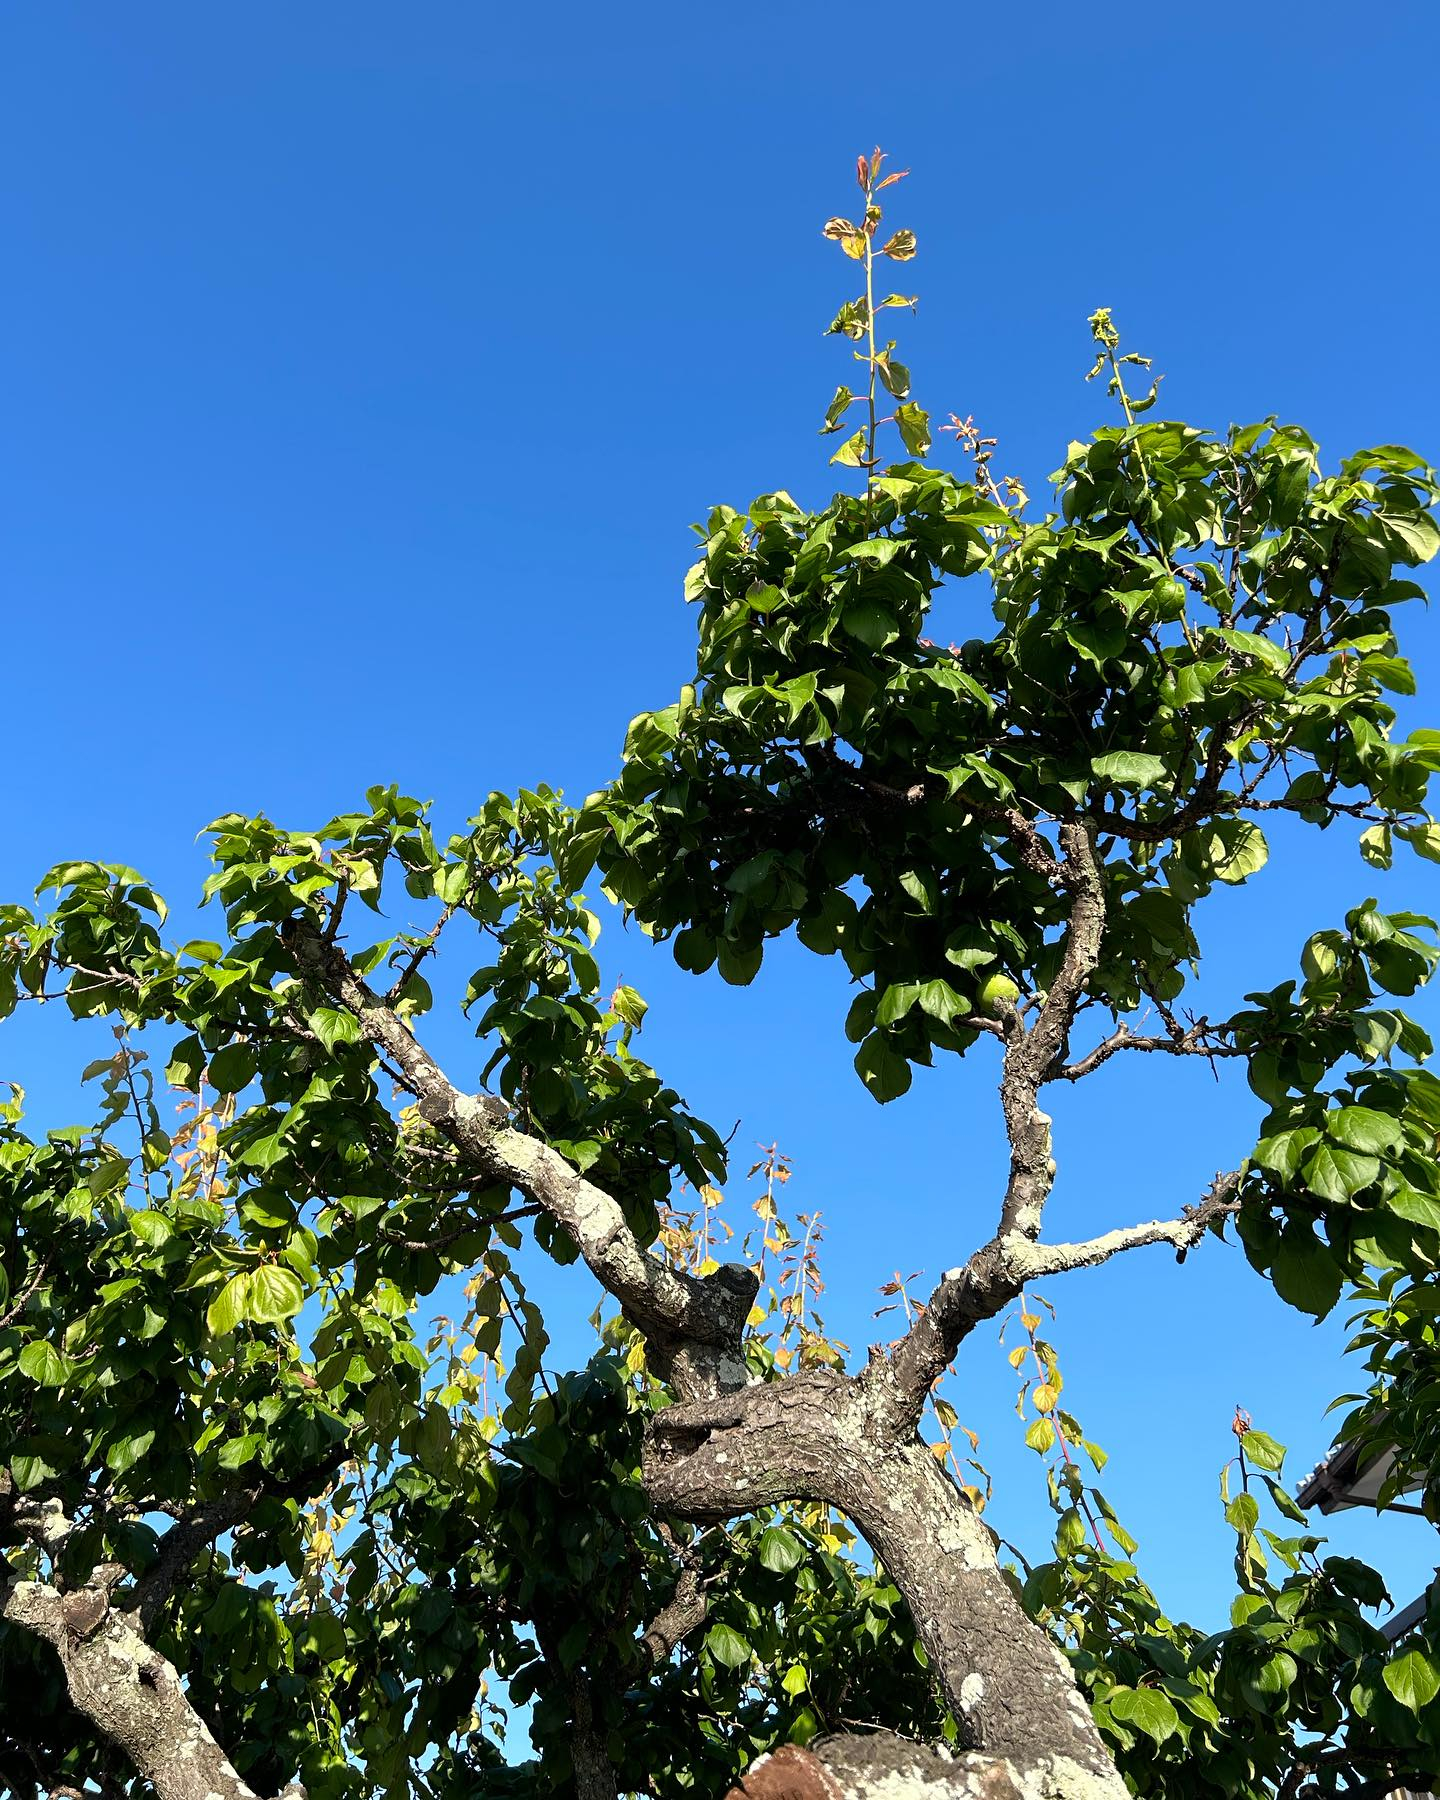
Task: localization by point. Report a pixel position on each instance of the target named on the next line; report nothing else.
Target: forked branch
(996, 1274)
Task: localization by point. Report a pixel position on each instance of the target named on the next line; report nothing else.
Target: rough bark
(127, 1690)
(881, 1767)
(833, 1438)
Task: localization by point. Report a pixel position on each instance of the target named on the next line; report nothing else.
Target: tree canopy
(270, 1521)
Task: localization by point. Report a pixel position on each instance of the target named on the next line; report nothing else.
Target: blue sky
(364, 366)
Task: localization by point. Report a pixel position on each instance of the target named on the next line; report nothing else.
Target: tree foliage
(368, 1535)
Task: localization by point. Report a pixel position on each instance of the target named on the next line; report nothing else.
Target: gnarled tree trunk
(851, 1443)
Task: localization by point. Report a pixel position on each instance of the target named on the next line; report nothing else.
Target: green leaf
(125, 1452)
(1041, 1436)
(630, 1007)
(1362, 1128)
(107, 1175)
(1414, 1679)
(1263, 1451)
(1375, 846)
(914, 423)
(1275, 1676)
(187, 1060)
(1070, 1532)
(275, 1293)
(1424, 840)
(884, 1072)
(727, 1646)
(1243, 1513)
(923, 889)
(44, 1364)
(1242, 850)
(151, 1228)
(1337, 1174)
(1283, 1153)
(230, 1305)
(29, 1472)
(235, 1452)
(1283, 1502)
(1417, 1208)
(1147, 1709)
(835, 411)
(852, 452)
(869, 622)
(1306, 1273)
(263, 1152)
(333, 1027)
(940, 1001)
(1418, 535)
(232, 1068)
(779, 1551)
(896, 377)
(693, 950)
(896, 1001)
(739, 966)
(1131, 768)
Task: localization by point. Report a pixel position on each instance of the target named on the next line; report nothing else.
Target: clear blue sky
(364, 365)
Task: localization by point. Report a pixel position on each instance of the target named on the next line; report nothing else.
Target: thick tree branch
(834, 1438)
(1183, 1234)
(127, 1690)
(693, 1325)
(124, 1687)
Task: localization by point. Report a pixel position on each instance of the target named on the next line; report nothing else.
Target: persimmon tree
(265, 1529)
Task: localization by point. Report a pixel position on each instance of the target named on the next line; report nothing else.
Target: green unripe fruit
(1168, 596)
(998, 991)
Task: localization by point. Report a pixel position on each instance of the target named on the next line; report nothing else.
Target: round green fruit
(1168, 595)
(998, 991)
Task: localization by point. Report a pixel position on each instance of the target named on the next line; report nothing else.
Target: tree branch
(1030, 1054)
(995, 1275)
(684, 1612)
(1184, 1233)
(126, 1689)
(183, 1543)
(693, 1325)
(1198, 1040)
